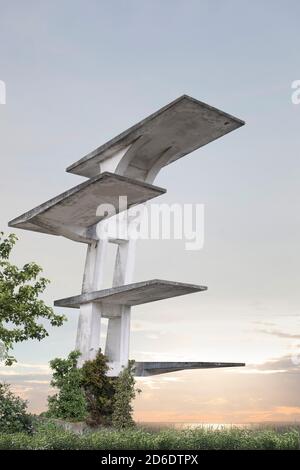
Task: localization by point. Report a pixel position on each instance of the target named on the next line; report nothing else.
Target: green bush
(99, 390)
(125, 393)
(69, 403)
(13, 415)
(88, 394)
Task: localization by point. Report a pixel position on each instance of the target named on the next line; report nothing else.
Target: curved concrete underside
(74, 211)
(144, 369)
(177, 129)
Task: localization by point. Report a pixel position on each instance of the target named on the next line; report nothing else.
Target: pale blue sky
(79, 72)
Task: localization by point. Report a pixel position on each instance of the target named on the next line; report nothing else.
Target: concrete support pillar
(118, 331)
(88, 332)
(117, 340)
(89, 322)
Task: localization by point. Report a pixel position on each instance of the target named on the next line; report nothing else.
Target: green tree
(125, 393)
(99, 390)
(69, 402)
(13, 414)
(20, 306)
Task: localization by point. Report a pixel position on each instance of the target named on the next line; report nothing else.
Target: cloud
(284, 364)
(279, 334)
(218, 401)
(171, 379)
(20, 368)
(46, 382)
(288, 410)
(29, 381)
(153, 336)
(263, 323)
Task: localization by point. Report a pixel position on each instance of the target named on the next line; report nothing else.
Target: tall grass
(52, 437)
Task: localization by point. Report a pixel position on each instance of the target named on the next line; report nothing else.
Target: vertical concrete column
(118, 331)
(89, 322)
(88, 333)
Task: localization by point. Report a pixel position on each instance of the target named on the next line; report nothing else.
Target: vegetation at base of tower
(20, 307)
(99, 390)
(125, 393)
(13, 412)
(70, 402)
(89, 394)
(48, 436)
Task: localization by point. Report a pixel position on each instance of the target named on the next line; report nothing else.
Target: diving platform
(75, 211)
(145, 369)
(132, 294)
(170, 133)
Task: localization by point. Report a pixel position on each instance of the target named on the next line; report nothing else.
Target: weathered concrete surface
(74, 211)
(144, 369)
(132, 294)
(178, 128)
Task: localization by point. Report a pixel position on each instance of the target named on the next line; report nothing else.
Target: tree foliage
(90, 394)
(99, 390)
(69, 402)
(20, 306)
(125, 393)
(13, 414)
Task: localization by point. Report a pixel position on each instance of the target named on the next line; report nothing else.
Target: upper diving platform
(173, 131)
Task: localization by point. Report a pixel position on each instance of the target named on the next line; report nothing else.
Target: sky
(78, 73)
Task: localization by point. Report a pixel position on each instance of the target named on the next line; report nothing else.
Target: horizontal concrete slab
(76, 209)
(143, 369)
(132, 294)
(179, 128)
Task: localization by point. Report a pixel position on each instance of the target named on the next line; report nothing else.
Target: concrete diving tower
(124, 169)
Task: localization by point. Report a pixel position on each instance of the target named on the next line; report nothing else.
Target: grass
(49, 436)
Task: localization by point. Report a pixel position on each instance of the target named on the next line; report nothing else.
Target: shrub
(13, 415)
(69, 403)
(99, 390)
(124, 395)
(89, 394)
